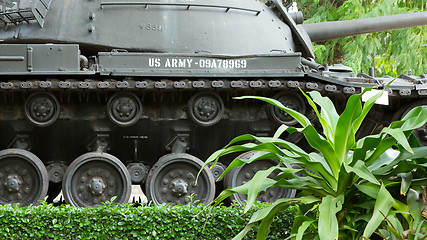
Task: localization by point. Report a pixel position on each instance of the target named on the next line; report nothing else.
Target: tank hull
(96, 95)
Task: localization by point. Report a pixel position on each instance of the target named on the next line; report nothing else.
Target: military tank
(97, 95)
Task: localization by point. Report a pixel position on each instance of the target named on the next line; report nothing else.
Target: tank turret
(96, 96)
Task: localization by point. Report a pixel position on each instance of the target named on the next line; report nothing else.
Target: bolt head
(111, 183)
(83, 179)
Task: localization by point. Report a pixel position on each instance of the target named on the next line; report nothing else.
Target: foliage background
(392, 53)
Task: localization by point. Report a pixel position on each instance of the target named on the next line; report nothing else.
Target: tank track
(274, 84)
(84, 90)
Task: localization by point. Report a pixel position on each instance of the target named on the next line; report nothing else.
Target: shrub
(128, 222)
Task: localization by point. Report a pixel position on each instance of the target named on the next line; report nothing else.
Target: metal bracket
(100, 143)
(21, 141)
(30, 59)
(412, 80)
(180, 144)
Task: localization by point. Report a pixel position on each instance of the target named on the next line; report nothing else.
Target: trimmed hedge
(129, 222)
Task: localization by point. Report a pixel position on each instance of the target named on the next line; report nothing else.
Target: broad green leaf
(364, 145)
(415, 205)
(259, 155)
(419, 152)
(245, 137)
(314, 163)
(259, 182)
(279, 132)
(267, 146)
(244, 189)
(401, 207)
(302, 229)
(251, 146)
(213, 158)
(301, 119)
(392, 229)
(305, 183)
(266, 215)
(290, 146)
(328, 110)
(415, 118)
(411, 121)
(301, 217)
(328, 223)
(327, 129)
(345, 180)
(384, 145)
(384, 159)
(366, 108)
(264, 226)
(318, 142)
(399, 136)
(344, 134)
(369, 189)
(406, 182)
(312, 157)
(362, 171)
(245, 230)
(413, 140)
(383, 205)
(315, 157)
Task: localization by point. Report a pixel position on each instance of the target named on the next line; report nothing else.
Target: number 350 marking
(150, 27)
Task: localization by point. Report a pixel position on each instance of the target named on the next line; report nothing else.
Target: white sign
(383, 100)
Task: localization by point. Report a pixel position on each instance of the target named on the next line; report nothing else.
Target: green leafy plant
(415, 224)
(112, 221)
(346, 184)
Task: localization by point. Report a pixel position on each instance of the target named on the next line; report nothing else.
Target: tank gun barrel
(323, 31)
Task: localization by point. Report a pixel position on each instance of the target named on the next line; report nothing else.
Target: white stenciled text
(222, 63)
(206, 63)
